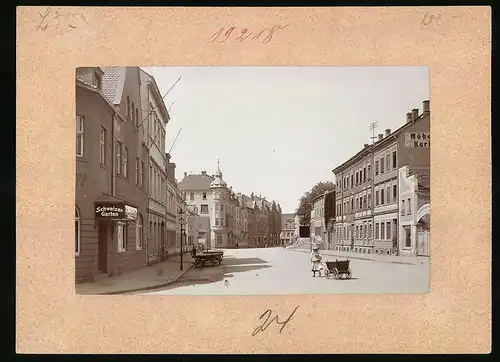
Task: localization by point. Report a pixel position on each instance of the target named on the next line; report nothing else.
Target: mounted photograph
(252, 180)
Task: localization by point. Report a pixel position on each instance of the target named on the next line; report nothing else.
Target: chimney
(203, 173)
(185, 174)
(409, 117)
(380, 136)
(387, 132)
(426, 108)
(414, 113)
(366, 145)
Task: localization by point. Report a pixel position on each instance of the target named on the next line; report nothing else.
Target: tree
(305, 202)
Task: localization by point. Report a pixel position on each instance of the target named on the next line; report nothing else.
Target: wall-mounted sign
(106, 210)
(130, 212)
(418, 139)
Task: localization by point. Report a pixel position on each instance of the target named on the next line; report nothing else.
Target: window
(79, 135)
(102, 153)
(137, 123)
(357, 178)
(381, 165)
(137, 167)
(409, 206)
(118, 158)
(128, 107)
(133, 113)
(403, 207)
(388, 162)
(364, 202)
(97, 80)
(125, 162)
(204, 196)
(77, 231)
(141, 176)
(364, 174)
(382, 199)
(139, 239)
(352, 204)
(191, 195)
(394, 159)
(369, 172)
(352, 180)
(204, 209)
(388, 193)
(376, 198)
(121, 235)
(377, 230)
(216, 221)
(382, 230)
(394, 192)
(221, 208)
(407, 236)
(219, 239)
(376, 168)
(388, 233)
(370, 200)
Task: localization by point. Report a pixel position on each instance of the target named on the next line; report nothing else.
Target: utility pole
(373, 128)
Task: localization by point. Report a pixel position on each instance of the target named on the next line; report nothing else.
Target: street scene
(252, 180)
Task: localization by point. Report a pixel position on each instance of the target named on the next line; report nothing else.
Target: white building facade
(154, 122)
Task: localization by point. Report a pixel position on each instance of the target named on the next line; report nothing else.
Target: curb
(149, 287)
(360, 258)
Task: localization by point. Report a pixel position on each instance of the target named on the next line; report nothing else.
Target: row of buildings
(127, 197)
(381, 200)
(236, 219)
(130, 210)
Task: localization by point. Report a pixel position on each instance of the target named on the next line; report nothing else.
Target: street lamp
(181, 221)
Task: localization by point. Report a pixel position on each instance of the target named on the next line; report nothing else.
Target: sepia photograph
(252, 180)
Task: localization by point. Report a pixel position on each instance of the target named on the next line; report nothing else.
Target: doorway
(102, 261)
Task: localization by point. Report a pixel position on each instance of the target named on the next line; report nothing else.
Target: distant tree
(305, 202)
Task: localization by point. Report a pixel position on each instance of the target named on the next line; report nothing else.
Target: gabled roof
(196, 182)
(113, 81)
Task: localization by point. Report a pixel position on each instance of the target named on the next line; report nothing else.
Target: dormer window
(97, 80)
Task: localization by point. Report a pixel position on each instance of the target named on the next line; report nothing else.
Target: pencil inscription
(48, 17)
(267, 321)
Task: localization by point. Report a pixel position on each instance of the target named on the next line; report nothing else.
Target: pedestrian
(316, 258)
(193, 251)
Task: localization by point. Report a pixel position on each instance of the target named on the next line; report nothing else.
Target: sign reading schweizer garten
(418, 139)
(105, 210)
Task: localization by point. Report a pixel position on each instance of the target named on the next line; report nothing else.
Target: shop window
(122, 236)
(77, 231)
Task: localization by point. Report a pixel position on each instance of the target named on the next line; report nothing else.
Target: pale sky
(279, 130)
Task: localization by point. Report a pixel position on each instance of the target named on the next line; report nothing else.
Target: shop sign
(130, 213)
(109, 210)
(418, 139)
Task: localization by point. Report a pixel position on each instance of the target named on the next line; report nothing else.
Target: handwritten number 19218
(265, 35)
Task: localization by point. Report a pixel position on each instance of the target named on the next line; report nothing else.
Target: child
(316, 258)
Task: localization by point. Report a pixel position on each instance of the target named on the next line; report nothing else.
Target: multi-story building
(353, 225)
(366, 227)
(154, 122)
(243, 219)
(317, 225)
(111, 200)
(287, 229)
(171, 210)
(251, 216)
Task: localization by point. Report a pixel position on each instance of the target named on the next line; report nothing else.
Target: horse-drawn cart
(338, 269)
(211, 257)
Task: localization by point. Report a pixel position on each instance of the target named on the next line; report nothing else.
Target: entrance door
(423, 243)
(102, 261)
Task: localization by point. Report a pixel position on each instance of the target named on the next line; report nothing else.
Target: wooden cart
(211, 257)
(338, 269)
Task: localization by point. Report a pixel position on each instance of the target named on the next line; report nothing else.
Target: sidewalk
(394, 259)
(156, 276)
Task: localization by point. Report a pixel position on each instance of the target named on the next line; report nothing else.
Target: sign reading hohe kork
(109, 211)
(418, 139)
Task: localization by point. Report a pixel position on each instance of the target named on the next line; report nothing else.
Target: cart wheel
(335, 273)
(349, 274)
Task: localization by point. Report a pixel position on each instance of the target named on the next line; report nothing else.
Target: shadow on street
(224, 272)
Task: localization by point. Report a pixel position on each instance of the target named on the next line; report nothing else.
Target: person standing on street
(316, 258)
